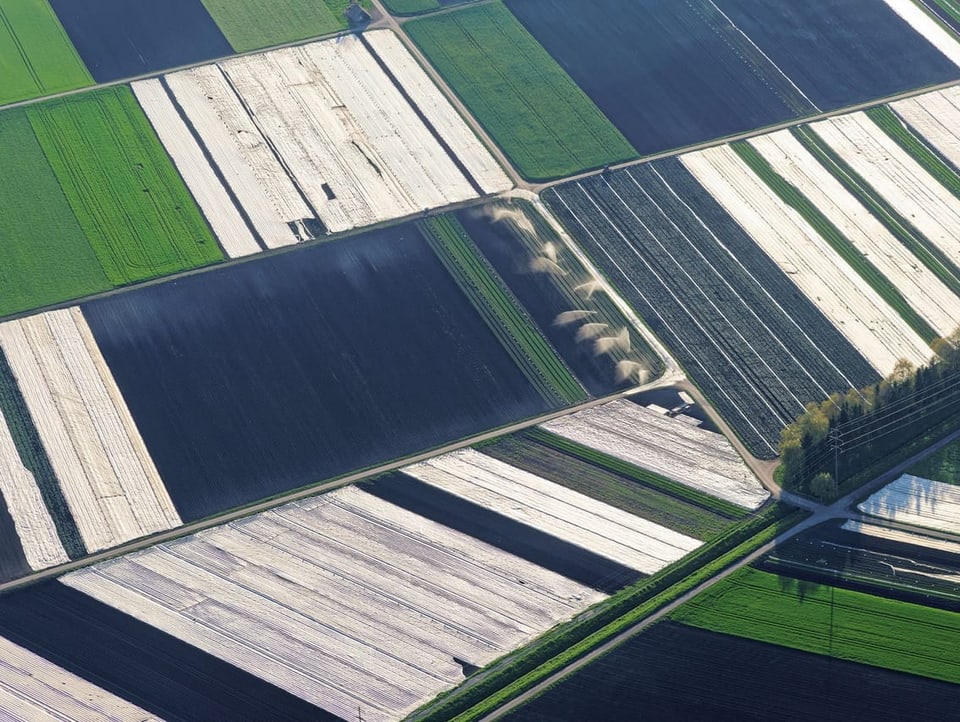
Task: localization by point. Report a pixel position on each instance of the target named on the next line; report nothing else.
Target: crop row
(493, 301)
(758, 349)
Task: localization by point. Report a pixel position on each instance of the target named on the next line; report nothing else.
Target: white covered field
(926, 293)
(31, 519)
(904, 537)
(33, 689)
(317, 131)
(667, 446)
(935, 116)
(917, 501)
(108, 479)
(555, 510)
(894, 174)
(344, 600)
(858, 312)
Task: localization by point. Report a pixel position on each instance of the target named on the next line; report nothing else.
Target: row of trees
(837, 438)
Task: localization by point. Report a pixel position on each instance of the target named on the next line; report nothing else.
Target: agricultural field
(830, 621)
(36, 56)
(943, 466)
(129, 201)
(69, 437)
(253, 24)
(286, 146)
(917, 501)
(32, 687)
(168, 678)
(875, 559)
(756, 346)
(675, 672)
(554, 510)
(263, 377)
(632, 492)
(665, 445)
(125, 38)
(344, 600)
(669, 74)
(529, 105)
(566, 300)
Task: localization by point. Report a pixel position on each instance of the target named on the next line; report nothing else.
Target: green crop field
(253, 24)
(831, 621)
(36, 56)
(44, 255)
(942, 466)
(543, 121)
(133, 207)
(487, 292)
(410, 7)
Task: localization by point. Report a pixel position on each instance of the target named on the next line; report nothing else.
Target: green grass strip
(632, 606)
(36, 55)
(490, 296)
(942, 466)
(892, 125)
(794, 198)
(831, 621)
(255, 24)
(928, 253)
(530, 106)
(34, 457)
(44, 255)
(950, 7)
(635, 473)
(130, 201)
(410, 7)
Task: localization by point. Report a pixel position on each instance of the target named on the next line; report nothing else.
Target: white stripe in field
(223, 216)
(856, 309)
(31, 519)
(107, 476)
(555, 510)
(936, 117)
(344, 600)
(918, 18)
(686, 454)
(917, 501)
(448, 123)
(926, 293)
(33, 689)
(258, 181)
(904, 537)
(895, 175)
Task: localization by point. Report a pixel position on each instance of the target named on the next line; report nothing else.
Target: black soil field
(542, 299)
(678, 673)
(123, 38)
(832, 49)
(256, 379)
(139, 663)
(13, 563)
(488, 526)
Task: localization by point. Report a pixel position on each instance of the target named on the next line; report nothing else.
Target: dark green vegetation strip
(942, 466)
(410, 7)
(892, 125)
(931, 256)
(44, 256)
(517, 672)
(34, 457)
(950, 7)
(606, 486)
(254, 24)
(543, 121)
(835, 622)
(36, 56)
(794, 198)
(636, 474)
(486, 291)
(132, 205)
